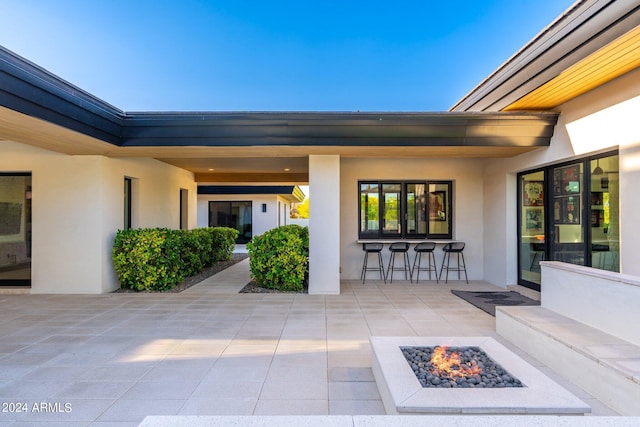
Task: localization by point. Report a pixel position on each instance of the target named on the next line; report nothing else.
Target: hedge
(156, 259)
(279, 258)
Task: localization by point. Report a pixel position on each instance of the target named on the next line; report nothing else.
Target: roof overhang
(593, 42)
(39, 108)
(292, 193)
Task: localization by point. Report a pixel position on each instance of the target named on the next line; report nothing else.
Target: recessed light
(211, 169)
(287, 169)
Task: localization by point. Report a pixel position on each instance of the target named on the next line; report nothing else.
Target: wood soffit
(613, 60)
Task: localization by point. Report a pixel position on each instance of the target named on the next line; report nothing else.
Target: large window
(234, 214)
(405, 210)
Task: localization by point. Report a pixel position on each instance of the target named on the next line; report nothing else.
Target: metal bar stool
(396, 248)
(372, 248)
(422, 248)
(454, 248)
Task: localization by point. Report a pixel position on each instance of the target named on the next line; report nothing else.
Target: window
(127, 202)
(412, 209)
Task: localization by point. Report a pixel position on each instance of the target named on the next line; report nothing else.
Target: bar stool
(453, 248)
(397, 248)
(422, 248)
(538, 252)
(372, 248)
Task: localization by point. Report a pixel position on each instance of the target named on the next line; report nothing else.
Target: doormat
(487, 301)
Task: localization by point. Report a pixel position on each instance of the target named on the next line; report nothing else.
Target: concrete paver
(209, 350)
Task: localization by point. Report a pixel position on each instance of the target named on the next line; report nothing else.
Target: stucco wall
(78, 205)
(467, 177)
(500, 238)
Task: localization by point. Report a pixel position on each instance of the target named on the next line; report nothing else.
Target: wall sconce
(264, 207)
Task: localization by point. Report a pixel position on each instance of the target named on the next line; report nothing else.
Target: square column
(324, 224)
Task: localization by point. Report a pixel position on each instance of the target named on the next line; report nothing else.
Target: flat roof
(37, 94)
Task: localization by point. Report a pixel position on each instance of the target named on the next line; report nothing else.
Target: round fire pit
(451, 367)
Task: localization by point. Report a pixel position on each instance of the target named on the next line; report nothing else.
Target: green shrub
(148, 259)
(223, 241)
(278, 259)
(156, 259)
(195, 250)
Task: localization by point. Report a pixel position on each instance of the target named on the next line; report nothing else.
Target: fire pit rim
(402, 392)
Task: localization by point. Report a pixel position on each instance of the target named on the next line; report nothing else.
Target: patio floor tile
(212, 351)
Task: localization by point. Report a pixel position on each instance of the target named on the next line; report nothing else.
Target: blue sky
(187, 55)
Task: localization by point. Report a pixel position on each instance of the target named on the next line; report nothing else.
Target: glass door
(15, 229)
(567, 228)
(236, 215)
(532, 247)
(569, 213)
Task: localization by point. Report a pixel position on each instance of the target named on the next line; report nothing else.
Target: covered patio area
(114, 359)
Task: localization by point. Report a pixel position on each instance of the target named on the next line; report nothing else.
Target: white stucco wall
(78, 205)
(467, 177)
(500, 238)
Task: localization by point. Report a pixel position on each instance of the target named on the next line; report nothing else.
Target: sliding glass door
(569, 213)
(15, 229)
(233, 214)
(532, 226)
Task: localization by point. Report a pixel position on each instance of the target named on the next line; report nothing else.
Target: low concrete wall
(604, 300)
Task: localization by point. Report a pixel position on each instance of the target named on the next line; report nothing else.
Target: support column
(324, 224)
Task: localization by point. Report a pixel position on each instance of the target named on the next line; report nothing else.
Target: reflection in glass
(234, 214)
(391, 194)
(568, 244)
(15, 229)
(604, 203)
(532, 239)
(369, 205)
(416, 209)
(439, 206)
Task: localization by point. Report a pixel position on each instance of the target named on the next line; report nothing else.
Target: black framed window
(405, 209)
(128, 188)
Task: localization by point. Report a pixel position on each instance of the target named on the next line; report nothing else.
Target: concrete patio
(111, 360)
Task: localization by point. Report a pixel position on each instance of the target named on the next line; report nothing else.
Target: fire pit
(451, 367)
(406, 368)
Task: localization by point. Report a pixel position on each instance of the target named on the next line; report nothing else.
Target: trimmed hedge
(279, 258)
(156, 259)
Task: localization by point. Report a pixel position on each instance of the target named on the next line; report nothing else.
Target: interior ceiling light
(211, 169)
(287, 169)
(598, 170)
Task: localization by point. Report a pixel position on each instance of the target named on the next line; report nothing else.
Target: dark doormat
(487, 301)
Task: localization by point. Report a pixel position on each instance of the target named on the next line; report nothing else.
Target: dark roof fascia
(292, 190)
(584, 28)
(245, 129)
(34, 91)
